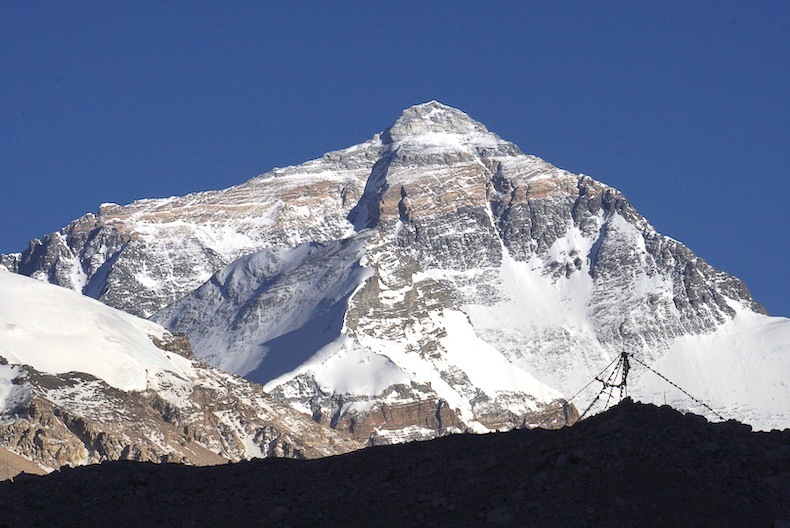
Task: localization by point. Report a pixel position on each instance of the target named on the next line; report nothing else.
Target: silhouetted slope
(635, 465)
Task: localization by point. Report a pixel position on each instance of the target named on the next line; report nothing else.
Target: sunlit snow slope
(55, 331)
(741, 367)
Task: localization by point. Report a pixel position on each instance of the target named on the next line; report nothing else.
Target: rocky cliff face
(431, 279)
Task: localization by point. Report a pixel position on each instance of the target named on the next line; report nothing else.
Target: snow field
(55, 330)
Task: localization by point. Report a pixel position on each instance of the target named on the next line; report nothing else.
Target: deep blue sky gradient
(683, 106)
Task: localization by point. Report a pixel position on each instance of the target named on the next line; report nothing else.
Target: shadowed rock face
(365, 257)
(635, 465)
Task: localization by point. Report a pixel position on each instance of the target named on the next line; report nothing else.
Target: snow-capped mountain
(81, 382)
(431, 279)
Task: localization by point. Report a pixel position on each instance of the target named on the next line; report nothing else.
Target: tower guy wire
(618, 379)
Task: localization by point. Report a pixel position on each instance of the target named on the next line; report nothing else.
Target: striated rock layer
(432, 279)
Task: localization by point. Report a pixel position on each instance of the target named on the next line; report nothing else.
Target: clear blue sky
(683, 106)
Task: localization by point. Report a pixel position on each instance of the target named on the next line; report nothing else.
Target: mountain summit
(433, 118)
(433, 128)
(429, 280)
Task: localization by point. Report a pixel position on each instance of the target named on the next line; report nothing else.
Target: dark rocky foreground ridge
(635, 465)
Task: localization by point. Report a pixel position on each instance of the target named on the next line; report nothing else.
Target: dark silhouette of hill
(635, 465)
